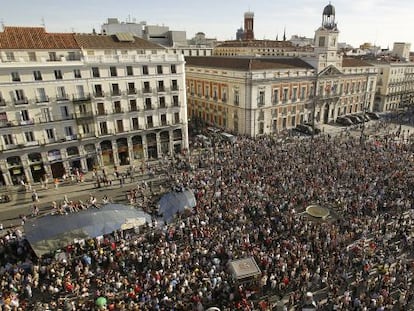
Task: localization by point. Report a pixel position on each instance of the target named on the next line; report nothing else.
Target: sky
(380, 22)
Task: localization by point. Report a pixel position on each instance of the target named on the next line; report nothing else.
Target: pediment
(330, 71)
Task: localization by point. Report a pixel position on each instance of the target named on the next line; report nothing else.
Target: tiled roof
(247, 63)
(354, 62)
(93, 41)
(22, 38)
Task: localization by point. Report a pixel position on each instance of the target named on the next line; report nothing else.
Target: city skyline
(376, 21)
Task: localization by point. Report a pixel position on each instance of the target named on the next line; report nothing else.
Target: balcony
(149, 107)
(101, 112)
(132, 91)
(71, 137)
(147, 90)
(99, 94)
(42, 100)
(174, 88)
(21, 101)
(115, 93)
(63, 97)
(26, 122)
(31, 144)
(84, 114)
(161, 89)
(81, 98)
(118, 110)
(86, 135)
(150, 125)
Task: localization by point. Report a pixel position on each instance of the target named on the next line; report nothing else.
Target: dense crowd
(251, 199)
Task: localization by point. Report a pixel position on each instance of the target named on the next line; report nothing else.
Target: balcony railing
(21, 101)
(116, 93)
(26, 122)
(147, 90)
(132, 91)
(86, 135)
(63, 97)
(81, 98)
(99, 94)
(174, 88)
(161, 89)
(40, 100)
(118, 110)
(148, 107)
(101, 112)
(83, 114)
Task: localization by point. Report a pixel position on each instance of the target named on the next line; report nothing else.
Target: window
(77, 73)
(115, 89)
(113, 71)
(131, 88)
(58, 74)
(46, 116)
(32, 56)
(236, 97)
(173, 69)
(145, 70)
(261, 98)
(302, 92)
(95, 72)
(24, 115)
(174, 85)
(133, 105)
(29, 136)
(148, 105)
(161, 87)
(52, 56)
(147, 88)
(176, 117)
(149, 121)
(117, 107)
(130, 71)
(275, 96)
(41, 95)
(72, 56)
(163, 119)
(175, 101)
(8, 139)
(15, 76)
(161, 100)
(61, 93)
(68, 131)
(103, 127)
(64, 111)
(10, 56)
(285, 95)
(37, 75)
(159, 69)
(295, 94)
(135, 124)
(321, 42)
(50, 133)
(85, 128)
(20, 98)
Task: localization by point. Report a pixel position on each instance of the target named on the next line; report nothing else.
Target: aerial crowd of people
(251, 202)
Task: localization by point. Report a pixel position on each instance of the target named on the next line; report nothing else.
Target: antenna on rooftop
(43, 22)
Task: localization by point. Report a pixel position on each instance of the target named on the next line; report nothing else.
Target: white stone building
(86, 101)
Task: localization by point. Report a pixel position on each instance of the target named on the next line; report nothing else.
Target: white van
(228, 137)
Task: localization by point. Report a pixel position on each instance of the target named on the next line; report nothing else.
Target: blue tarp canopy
(175, 202)
(51, 232)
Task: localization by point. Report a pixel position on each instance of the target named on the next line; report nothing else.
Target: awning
(51, 232)
(175, 202)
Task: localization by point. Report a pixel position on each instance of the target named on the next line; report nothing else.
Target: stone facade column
(159, 149)
(145, 147)
(115, 153)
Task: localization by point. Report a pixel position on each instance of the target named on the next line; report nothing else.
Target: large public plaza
(251, 201)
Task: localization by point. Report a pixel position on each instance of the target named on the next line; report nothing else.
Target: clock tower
(326, 40)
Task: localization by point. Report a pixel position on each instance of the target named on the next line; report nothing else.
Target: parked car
(364, 116)
(315, 129)
(373, 115)
(344, 121)
(305, 129)
(354, 119)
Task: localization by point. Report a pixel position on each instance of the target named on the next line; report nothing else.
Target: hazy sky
(377, 21)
